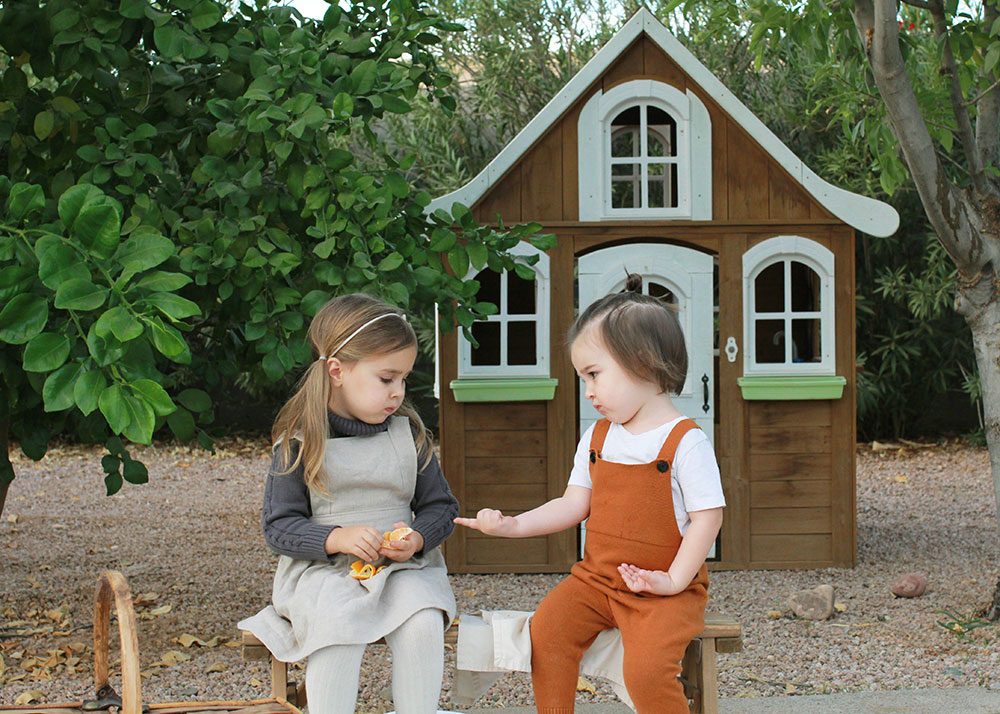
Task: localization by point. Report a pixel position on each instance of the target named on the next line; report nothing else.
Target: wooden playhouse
(645, 162)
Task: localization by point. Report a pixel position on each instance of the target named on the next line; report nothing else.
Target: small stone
(910, 585)
(814, 604)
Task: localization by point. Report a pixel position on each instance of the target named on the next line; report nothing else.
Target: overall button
(662, 466)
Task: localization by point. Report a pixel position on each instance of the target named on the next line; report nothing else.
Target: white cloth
(694, 476)
(499, 641)
(369, 480)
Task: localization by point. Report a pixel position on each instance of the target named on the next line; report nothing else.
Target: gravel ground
(189, 540)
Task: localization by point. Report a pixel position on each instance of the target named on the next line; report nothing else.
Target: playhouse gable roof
(860, 212)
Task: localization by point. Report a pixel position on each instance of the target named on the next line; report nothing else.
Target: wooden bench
(698, 674)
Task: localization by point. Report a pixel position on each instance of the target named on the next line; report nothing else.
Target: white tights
(333, 673)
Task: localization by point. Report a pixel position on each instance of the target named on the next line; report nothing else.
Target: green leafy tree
(177, 203)
(925, 77)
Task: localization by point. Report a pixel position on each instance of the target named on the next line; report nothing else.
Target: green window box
(503, 390)
(776, 388)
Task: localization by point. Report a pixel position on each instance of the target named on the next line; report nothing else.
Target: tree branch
(944, 204)
(922, 4)
(962, 121)
(988, 108)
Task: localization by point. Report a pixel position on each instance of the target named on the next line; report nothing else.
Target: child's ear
(335, 368)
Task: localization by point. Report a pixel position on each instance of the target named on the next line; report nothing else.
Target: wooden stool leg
(279, 679)
(709, 677)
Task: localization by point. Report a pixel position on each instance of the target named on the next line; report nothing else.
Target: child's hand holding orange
(401, 543)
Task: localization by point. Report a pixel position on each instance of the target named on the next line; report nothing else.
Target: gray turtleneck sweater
(289, 531)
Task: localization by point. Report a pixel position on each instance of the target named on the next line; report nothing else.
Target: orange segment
(396, 535)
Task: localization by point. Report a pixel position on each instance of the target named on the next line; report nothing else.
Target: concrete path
(967, 700)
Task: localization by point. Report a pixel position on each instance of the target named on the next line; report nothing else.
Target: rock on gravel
(191, 539)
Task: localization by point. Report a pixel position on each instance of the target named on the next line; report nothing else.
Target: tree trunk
(4, 463)
(985, 324)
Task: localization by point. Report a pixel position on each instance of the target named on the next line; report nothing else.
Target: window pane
(657, 197)
(487, 334)
(769, 339)
(665, 129)
(631, 170)
(520, 295)
(662, 185)
(806, 341)
(489, 287)
(662, 292)
(769, 289)
(655, 144)
(805, 288)
(623, 143)
(629, 117)
(625, 191)
(521, 348)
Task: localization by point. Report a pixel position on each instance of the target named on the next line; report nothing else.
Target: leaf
(80, 294)
(135, 471)
(390, 262)
(57, 392)
(155, 395)
(57, 261)
(173, 306)
(25, 698)
(44, 122)
(22, 318)
(142, 251)
(182, 424)
(168, 341)
(343, 105)
(159, 281)
(206, 14)
(217, 667)
(112, 406)
(582, 685)
(169, 40)
(24, 199)
(195, 399)
(98, 226)
(73, 200)
(477, 254)
(87, 390)
(45, 352)
(163, 610)
(119, 322)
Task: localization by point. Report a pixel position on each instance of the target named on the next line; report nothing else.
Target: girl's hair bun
(633, 283)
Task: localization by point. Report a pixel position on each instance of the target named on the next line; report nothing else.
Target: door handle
(704, 386)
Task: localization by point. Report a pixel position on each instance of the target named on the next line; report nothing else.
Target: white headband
(400, 315)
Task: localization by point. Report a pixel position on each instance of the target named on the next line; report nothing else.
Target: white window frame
(541, 317)
(694, 148)
(785, 249)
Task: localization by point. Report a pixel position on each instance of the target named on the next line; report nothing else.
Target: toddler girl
(648, 480)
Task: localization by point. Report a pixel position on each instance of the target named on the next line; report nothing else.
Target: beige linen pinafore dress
(369, 481)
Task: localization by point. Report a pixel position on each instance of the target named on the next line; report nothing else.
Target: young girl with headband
(352, 461)
(648, 480)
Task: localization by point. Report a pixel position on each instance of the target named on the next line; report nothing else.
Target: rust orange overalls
(631, 521)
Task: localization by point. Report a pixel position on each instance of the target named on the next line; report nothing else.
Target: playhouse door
(683, 277)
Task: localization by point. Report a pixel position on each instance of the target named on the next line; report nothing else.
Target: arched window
(788, 306)
(644, 151)
(515, 341)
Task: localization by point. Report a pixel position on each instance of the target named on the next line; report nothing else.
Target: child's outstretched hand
(403, 549)
(491, 522)
(362, 541)
(639, 580)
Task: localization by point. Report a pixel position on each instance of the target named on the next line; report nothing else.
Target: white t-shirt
(694, 476)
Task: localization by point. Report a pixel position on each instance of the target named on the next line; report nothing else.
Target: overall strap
(597, 438)
(676, 434)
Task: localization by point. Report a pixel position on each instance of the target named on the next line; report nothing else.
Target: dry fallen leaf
(840, 607)
(161, 610)
(32, 695)
(12, 518)
(187, 640)
(582, 685)
(217, 667)
(254, 682)
(146, 599)
(171, 658)
(900, 478)
(790, 689)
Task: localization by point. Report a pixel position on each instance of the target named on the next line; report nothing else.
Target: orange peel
(395, 535)
(361, 570)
